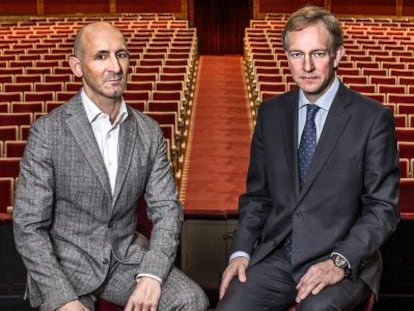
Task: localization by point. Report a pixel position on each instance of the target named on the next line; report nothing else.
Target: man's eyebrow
(300, 51)
(101, 52)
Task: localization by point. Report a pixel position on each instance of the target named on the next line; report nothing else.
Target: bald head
(94, 31)
(101, 60)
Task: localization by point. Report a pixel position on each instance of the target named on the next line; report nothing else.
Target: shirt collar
(325, 101)
(92, 110)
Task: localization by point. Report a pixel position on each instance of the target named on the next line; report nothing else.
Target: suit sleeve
(255, 204)
(165, 211)
(379, 214)
(32, 217)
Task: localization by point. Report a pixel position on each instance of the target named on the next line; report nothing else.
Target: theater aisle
(219, 139)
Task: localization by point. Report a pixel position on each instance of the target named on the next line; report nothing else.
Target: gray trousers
(177, 293)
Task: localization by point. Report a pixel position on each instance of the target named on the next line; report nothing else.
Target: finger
(302, 294)
(318, 288)
(304, 280)
(129, 306)
(305, 289)
(223, 287)
(242, 273)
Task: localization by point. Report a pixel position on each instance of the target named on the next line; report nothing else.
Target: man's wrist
(341, 262)
(239, 254)
(140, 275)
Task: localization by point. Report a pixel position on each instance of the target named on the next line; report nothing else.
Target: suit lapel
(335, 122)
(126, 145)
(78, 124)
(289, 129)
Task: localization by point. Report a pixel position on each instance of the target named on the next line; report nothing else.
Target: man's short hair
(311, 15)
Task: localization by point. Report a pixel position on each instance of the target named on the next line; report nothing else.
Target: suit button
(110, 225)
(105, 261)
(298, 213)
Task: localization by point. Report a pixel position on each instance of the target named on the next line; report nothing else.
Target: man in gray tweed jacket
(85, 167)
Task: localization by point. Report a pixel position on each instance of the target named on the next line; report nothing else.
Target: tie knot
(311, 111)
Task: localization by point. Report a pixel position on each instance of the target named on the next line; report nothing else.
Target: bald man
(85, 167)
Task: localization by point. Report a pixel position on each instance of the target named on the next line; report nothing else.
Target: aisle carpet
(217, 152)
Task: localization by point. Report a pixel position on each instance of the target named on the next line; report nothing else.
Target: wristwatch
(340, 262)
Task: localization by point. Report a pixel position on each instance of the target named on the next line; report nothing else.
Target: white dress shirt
(106, 134)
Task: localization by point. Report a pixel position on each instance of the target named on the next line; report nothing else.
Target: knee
(310, 304)
(195, 300)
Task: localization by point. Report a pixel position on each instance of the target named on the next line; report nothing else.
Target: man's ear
(75, 66)
(338, 56)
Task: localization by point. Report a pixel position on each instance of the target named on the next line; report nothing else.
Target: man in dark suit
(85, 167)
(322, 186)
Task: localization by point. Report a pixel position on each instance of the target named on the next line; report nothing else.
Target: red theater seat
(405, 134)
(4, 107)
(406, 194)
(36, 106)
(400, 120)
(18, 118)
(9, 132)
(14, 148)
(6, 193)
(406, 108)
(406, 149)
(9, 167)
(405, 168)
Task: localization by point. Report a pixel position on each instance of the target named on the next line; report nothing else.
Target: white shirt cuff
(239, 254)
(138, 276)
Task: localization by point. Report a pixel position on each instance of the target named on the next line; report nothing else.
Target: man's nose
(308, 64)
(115, 66)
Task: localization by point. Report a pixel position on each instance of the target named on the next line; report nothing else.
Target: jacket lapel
(126, 145)
(334, 125)
(289, 130)
(78, 124)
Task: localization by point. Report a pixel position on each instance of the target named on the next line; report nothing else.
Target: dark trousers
(270, 286)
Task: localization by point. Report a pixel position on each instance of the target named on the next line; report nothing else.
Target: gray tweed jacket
(67, 223)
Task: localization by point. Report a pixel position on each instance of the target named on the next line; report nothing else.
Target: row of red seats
(61, 22)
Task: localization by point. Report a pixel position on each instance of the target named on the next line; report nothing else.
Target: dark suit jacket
(349, 203)
(67, 223)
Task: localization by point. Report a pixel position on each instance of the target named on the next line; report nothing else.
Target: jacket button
(105, 261)
(110, 225)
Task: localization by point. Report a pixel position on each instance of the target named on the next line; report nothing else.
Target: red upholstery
(6, 193)
(406, 192)
(104, 305)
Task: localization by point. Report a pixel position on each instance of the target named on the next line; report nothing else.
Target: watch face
(340, 262)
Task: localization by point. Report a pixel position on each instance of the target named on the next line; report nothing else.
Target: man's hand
(146, 295)
(317, 278)
(74, 305)
(236, 267)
